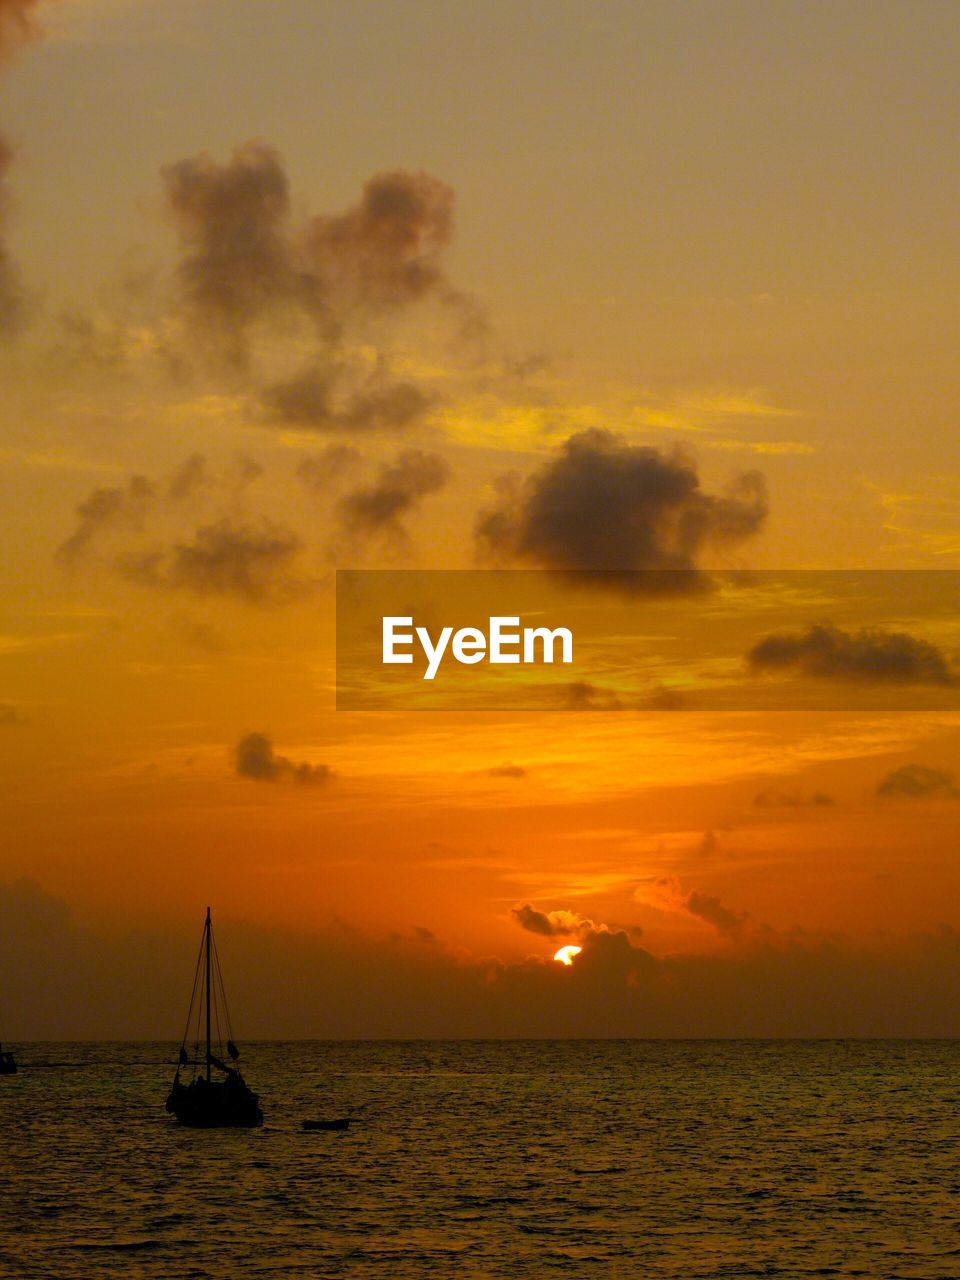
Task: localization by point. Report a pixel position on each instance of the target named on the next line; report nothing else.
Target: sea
(687, 1160)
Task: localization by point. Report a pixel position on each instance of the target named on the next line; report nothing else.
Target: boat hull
(8, 1064)
(226, 1104)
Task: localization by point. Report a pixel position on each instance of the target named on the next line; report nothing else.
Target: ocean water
(578, 1159)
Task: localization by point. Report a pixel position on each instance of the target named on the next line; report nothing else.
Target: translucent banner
(790, 640)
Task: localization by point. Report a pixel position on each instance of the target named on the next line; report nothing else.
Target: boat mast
(207, 933)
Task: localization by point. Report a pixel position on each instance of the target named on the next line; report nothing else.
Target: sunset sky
(300, 286)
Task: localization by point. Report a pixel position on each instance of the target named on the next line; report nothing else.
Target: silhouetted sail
(206, 1101)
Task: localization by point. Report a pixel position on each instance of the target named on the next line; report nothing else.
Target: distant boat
(208, 1100)
(8, 1063)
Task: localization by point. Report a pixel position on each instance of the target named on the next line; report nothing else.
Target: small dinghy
(342, 1123)
(216, 1095)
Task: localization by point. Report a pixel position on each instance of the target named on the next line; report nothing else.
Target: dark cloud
(398, 487)
(17, 28)
(868, 656)
(709, 908)
(608, 956)
(13, 297)
(64, 982)
(313, 400)
(190, 476)
(305, 400)
(386, 250)
(382, 404)
(666, 894)
(252, 562)
(319, 471)
(226, 555)
(606, 507)
(917, 780)
(243, 262)
(709, 845)
(254, 757)
(232, 222)
(581, 695)
(551, 924)
(771, 798)
(122, 504)
(507, 771)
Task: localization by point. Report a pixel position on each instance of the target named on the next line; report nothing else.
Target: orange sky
(285, 289)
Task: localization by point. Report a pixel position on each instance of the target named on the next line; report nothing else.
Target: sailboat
(216, 1095)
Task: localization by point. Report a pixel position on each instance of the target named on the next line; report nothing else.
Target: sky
(299, 287)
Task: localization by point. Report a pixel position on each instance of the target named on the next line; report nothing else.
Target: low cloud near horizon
(63, 981)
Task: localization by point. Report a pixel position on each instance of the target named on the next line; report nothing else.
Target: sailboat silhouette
(208, 1101)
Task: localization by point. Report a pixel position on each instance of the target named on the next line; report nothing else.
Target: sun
(566, 954)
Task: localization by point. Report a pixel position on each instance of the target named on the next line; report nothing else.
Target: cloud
(666, 894)
(232, 219)
(606, 507)
(709, 908)
(385, 251)
(17, 29)
(918, 780)
(64, 982)
(319, 472)
(398, 488)
(507, 771)
(254, 757)
(245, 262)
(312, 400)
(609, 957)
(226, 558)
(106, 507)
(13, 297)
(250, 558)
(869, 656)
(709, 845)
(90, 339)
(190, 476)
(552, 924)
(771, 798)
(581, 695)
